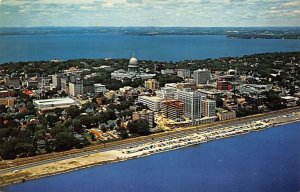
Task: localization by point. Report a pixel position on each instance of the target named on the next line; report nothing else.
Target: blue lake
(261, 161)
(115, 45)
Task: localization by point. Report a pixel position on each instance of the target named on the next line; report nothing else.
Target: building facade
(173, 109)
(208, 108)
(76, 88)
(226, 115)
(56, 80)
(192, 103)
(184, 73)
(13, 82)
(152, 84)
(224, 85)
(144, 114)
(50, 104)
(133, 66)
(201, 76)
(154, 103)
(99, 88)
(166, 93)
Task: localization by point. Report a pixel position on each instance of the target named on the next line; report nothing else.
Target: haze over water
(115, 45)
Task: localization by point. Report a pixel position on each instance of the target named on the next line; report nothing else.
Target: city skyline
(185, 13)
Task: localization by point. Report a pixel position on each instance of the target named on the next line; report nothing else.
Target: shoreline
(143, 150)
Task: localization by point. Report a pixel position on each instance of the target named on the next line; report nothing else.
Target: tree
(273, 101)
(4, 133)
(219, 102)
(25, 149)
(31, 109)
(123, 132)
(93, 137)
(52, 119)
(63, 141)
(73, 111)
(77, 125)
(7, 150)
(140, 127)
(3, 109)
(163, 79)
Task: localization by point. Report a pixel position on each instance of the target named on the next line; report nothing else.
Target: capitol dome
(133, 61)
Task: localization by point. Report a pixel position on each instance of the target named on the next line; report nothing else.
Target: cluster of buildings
(134, 71)
(7, 97)
(181, 106)
(203, 95)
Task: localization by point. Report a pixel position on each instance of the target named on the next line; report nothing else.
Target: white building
(184, 73)
(64, 82)
(50, 104)
(192, 103)
(166, 93)
(213, 94)
(76, 88)
(154, 103)
(254, 88)
(168, 71)
(202, 76)
(133, 66)
(100, 88)
(56, 80)
(133, 71)
(289, 101)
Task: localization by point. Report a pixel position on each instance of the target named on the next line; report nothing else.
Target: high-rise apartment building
(209, 108)
(192, 103)
(172, 109)
(76, 88)
(202, 76)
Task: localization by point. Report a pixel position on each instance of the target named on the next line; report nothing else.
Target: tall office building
(201, 76)
(192, 103)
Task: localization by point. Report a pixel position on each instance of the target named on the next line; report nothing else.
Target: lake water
(115, 45)
(261, 161)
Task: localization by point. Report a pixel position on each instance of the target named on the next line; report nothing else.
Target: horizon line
(153, 26)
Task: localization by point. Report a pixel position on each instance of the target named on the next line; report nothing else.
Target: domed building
(133, 66)
(133, 71)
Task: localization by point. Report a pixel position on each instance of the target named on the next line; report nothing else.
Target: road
(142, 140)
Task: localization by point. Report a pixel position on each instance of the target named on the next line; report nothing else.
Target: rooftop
(56, 101)
(153, 98)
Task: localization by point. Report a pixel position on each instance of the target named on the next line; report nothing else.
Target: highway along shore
(24, 169)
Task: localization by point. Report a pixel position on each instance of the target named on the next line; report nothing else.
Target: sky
(182, 13)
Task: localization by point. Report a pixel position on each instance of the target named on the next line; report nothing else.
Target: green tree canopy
(140, 127)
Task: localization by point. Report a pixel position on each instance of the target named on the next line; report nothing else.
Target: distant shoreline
(231, 32)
